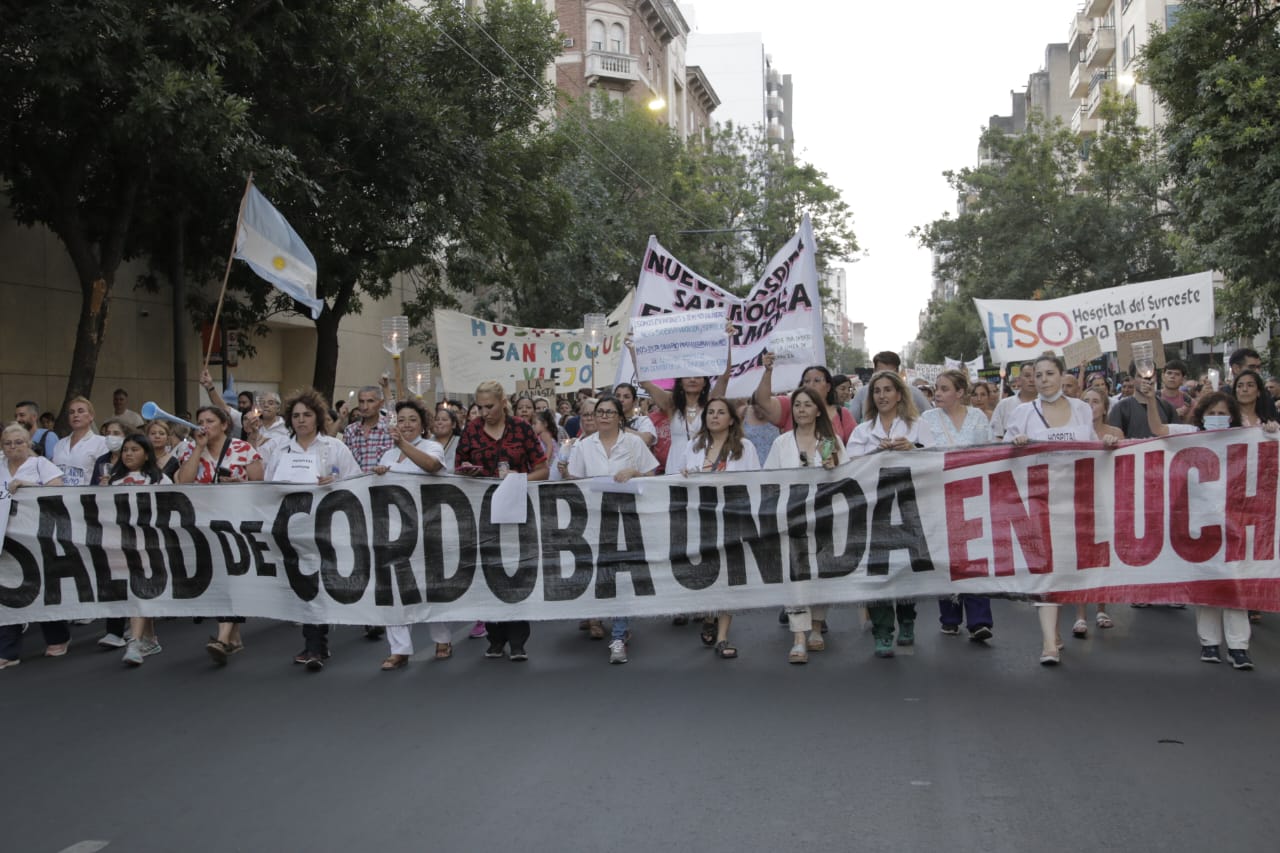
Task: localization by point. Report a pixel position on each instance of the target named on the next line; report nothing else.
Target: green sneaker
(907, 634)
(884, 647)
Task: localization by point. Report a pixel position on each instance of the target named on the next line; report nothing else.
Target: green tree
(1047, 215)
(98, 98)
(1217, 73)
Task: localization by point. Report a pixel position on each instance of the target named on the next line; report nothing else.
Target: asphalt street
(1132, 743)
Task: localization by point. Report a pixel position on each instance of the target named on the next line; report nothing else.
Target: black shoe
(1210, 654)
(980, 634)
(495, 650)
(782, 616)
(1240, 659)
(374, 632)
(680, 620)
(824, 626)
(315, 663)
(518, 654)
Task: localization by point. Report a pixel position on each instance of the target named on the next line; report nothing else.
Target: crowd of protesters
(685, 426)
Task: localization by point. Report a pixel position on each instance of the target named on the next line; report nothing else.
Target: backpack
(37, 441)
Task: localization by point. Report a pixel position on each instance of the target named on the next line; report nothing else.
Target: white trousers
(400, 637)
(801, 619)
(1213, 622)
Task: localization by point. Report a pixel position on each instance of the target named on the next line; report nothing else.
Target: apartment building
(634, 50)
(754, 91)
(1104, 40)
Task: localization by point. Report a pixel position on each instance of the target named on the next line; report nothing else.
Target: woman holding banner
(720, 445)
(413, 453)
(311, 457)
(22, 467)
(817, 379)
(610, 452)
(812, 442)
(890, 422)
(1051, 416)
(494, 445)
(952, 424)
(683, 405)
(215, 457)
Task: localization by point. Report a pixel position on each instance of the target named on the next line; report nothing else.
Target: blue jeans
(619, 631)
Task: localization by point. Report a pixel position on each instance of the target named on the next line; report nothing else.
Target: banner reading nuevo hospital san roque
(1186, 519)
(781, 314)
(473, 350)
(1020, 329)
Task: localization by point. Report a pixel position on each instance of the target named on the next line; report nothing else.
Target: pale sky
(888, 95)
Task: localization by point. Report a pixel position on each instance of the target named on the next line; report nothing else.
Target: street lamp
(657, 103)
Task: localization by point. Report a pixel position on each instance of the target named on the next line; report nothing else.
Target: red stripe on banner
(983, 454)
(1250, 594)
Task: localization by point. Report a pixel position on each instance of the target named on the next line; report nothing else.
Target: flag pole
(217, 314)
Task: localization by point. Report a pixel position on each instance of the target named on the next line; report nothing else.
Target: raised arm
(721, 386)
(661, 397)
(763, 395)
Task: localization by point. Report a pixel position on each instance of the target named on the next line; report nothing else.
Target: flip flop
(724, 651)
(444, 651)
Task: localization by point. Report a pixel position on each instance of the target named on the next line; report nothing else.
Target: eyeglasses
(606, 413)
(21, 442)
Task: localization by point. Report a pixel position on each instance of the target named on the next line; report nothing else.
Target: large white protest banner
(691, 342)
(473, 350)
(1019, 329)
(781, 314)
(1188, 519)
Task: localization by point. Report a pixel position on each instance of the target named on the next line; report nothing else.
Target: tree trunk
(325, 375)
(95, 299)
(178, 283)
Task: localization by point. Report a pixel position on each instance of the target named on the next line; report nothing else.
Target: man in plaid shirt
(370, 436)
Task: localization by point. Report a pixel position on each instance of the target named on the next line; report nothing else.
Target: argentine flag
(274, 251)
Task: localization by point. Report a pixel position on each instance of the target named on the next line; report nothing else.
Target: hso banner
(474, 350)
(1181, 308)
(1188, 519)
(782, 313)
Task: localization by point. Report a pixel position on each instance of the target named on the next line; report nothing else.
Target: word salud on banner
(781, 314)
(1181, 308)
(473, 350)
(1187, 519)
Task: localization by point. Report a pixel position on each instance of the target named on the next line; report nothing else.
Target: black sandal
(724, 651)
(708, 634)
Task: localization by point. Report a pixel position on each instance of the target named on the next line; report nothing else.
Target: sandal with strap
(1080, 630)
(798, 654)
(395, 662)
(724, 651)
(708, 634)
(1104, 621)
(595, 629)
(217, 650)
(444, 651)
(816, 643)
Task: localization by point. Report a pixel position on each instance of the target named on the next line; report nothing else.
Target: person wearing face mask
(76, 453)
(112, 432)
(1216, 625)
(1052, 416)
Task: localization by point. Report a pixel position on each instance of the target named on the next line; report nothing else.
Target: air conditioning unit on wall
(567, 42)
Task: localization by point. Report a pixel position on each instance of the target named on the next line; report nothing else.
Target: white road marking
(85, 847)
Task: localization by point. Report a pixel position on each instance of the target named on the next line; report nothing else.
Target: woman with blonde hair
(890, 422)
(22, 467)
(76, 453)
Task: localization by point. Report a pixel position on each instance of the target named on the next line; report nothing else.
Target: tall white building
(753, 91)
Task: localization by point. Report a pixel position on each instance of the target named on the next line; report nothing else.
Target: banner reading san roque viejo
(1186, 519)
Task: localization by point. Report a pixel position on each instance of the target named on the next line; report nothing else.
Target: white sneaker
(133, 654)
(112, 641)
(617, 651)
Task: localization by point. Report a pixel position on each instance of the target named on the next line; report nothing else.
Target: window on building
(1124, 7)
(596, 32)
(617, 39)
(1171, 13)
(1129, 49)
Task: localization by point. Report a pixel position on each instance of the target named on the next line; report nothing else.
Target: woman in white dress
(21, 467)
(1052, 416)
(413, 453)
(610, 452)
(76, 453)
(950, 423)
(313, 457)
(812, 442)
(720, 445)
(890, 422)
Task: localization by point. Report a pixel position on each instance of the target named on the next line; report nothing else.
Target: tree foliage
(1048, 215)
(1217, 72)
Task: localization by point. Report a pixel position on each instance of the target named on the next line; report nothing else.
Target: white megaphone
(151, 412)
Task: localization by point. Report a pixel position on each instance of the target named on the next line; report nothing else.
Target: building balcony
(1078, 84)
(1096, 8)
(773, 104)
(1101, 83)
(1081, 123)
(1078, 33)
(774, 133)
(613, 66)
(774, 78)
(1102, 47)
